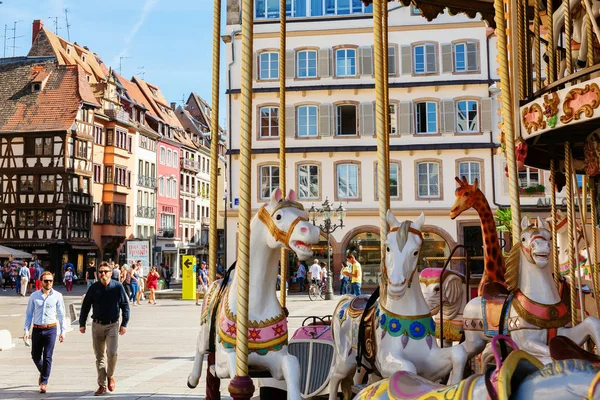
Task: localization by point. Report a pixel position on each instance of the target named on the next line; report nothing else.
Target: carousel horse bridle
(410, 230)
(278, 234)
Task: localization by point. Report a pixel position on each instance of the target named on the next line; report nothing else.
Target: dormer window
(87, 77)
(36, 87)
(68, 50)
(83, 57)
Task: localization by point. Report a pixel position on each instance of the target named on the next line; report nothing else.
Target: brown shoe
(101, 390)
(43, 388)
(111, 384)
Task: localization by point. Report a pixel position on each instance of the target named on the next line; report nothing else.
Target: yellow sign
(188, 268)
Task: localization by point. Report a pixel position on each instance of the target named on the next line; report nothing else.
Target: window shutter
(431, 58)
(290, 122)
(366, 60)
(367, 119)
(324, 62)
(486, 115)
(472, 56)
(448, 116)
(256, 67)
(405, 117)
(392, 60)
(325, 117)
(406, 59)
(290, 64)
(447, 59)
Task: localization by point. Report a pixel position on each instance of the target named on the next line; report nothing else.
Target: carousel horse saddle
(493, 298)
(563, 348)
(358, 305)
(405, 385)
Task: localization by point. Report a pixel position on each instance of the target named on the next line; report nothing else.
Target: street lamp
(328, 228)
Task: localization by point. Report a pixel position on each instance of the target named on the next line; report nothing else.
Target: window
(466, 116)
(46, 183)
(307, 64)
(43, 146)
(394, 180)
(97, 173)
(426, 115)
(108, 174)
(174, 189)
(45, 218)
(393, 120)
(269, 180)
(307, 121)
(269, 9)
(425, 59)
(36, 87)
(346, 120)
(168, 188)
(470, 170)
(269, 66)
(169, 156)
(75, 184)
(162, 155)
(175, 158)
(121, 176)
(428, 180)
(345, 62)
(122, 141)
(466, 57)
(26, 218)
(266, 9)
(98, 134)
(85, 185)
(269, 122)
(347, 181)
(529, 177)
(26, 184)
(161, 186)
(81, 147)
(308, 182)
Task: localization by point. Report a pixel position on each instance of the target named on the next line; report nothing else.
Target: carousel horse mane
(512, 268)
(402, 234)
(401, 239)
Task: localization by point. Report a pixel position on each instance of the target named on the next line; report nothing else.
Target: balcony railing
(147, 181)
(146, 212)
(166, 233)
(119, 115)
(190, 165)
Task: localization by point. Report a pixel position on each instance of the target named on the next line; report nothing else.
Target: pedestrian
(14, 276)
(67, 265)
(300, 275)
(344, 280)
(167, 275)
(7, 278)
(134, 278)
(152, 283)
(68, 280)
(32, 266)
(38, 276)
(24, 278)
(106, 297)
(45, 310)
(116, 272)
(202, 282)
(125, 280)
(355, 274)
(315, 273)
(91, 275)
(324, 274)
(141, 282)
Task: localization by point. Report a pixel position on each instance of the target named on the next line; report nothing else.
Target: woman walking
(134, 278)
(141, 282)
(124, 279)
(68, 279)
(152, 283)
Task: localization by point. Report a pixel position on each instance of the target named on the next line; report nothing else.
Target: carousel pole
(578, 266)
(538, 52)
(550, 50)
(508, 118)
(282, 118)
(241, 386)
(386, 93)
(590, 40)
(554, 216)
(570, 233)
(594, 263)
(381, 128)
(212, 382)
(522, 45)
(568, 36)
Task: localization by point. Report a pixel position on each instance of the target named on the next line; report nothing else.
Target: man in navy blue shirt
(107, 297)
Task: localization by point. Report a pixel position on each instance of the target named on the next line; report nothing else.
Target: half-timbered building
(46, 140)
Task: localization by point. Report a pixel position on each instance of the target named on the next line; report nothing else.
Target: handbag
(74, 277)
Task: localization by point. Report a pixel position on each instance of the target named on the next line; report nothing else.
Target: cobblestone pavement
(155, 355)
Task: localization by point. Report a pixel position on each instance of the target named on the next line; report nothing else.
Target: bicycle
(317, 290)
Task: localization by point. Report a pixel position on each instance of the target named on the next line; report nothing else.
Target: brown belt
(45, 326)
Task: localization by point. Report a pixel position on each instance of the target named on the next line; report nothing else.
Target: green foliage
(503, 220)
(535, 189)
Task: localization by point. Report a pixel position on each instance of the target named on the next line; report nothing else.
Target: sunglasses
(48, 280)
(104, 271)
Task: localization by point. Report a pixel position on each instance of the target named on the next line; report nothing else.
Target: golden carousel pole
(241, 386)
(282, 118)
(386, 94)
(508, 118)
(590, 40)
(212, 382)
(550, 50)
(594, 258)
(381, 128)
(568, 25)
(537, 44)
(554, 216)
(570, 231)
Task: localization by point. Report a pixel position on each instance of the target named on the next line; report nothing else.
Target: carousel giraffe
(468, 196)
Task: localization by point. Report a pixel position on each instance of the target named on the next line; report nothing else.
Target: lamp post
(328, 228)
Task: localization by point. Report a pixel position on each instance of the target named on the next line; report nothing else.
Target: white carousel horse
(281, 222)
(535, 311)
(404, 331)
(453, 297)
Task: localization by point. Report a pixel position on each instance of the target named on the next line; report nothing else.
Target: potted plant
(534, 189)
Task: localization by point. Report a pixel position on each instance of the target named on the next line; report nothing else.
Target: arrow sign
(188, 263)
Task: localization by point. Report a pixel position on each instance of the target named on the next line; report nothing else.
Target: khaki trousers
(105, 339)
(24, 282)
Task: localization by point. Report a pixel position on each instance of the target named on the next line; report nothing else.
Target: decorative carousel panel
(573, 105)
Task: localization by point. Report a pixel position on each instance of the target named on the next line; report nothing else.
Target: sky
(166, 42)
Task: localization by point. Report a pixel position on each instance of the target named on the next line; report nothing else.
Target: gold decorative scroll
(580, 101)
(533, 118)
(551, 102)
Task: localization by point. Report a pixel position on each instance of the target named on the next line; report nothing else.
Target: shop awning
(84, 247)
(7, 252)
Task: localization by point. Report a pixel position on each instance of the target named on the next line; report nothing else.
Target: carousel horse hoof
(405, 385)
(546, 58)
(190, 385)
(563, 348)
(581, 63)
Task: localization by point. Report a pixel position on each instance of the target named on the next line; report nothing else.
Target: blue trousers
(134, 289)
(42, 347)
(18, 282)
(302, 286)
(343, 286)
(355, 289)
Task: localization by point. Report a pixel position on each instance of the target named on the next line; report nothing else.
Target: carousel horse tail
(563, 348)
(361, 332)
(213, 317)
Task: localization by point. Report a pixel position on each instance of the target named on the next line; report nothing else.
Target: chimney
(173, 106)
(37, 27)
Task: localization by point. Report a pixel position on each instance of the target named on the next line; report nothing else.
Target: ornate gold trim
(537, 321)
(539, 123)
(551, 102)
(400, 316)
(588, 109)
(251, 324)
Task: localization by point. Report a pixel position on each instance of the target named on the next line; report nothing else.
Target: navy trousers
(42, 347)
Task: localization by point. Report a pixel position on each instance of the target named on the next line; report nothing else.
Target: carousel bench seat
(253, 372)
(405, 385)
(563, 348)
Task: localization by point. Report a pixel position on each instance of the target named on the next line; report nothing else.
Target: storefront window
(367, 246)
(434, 252)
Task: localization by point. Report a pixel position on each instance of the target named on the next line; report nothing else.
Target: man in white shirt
(315, 272)
(45, 309)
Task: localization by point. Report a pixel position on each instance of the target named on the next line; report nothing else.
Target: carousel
(533, 330)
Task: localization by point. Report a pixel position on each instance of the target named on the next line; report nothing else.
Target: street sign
(236, 201)
(189, 277)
